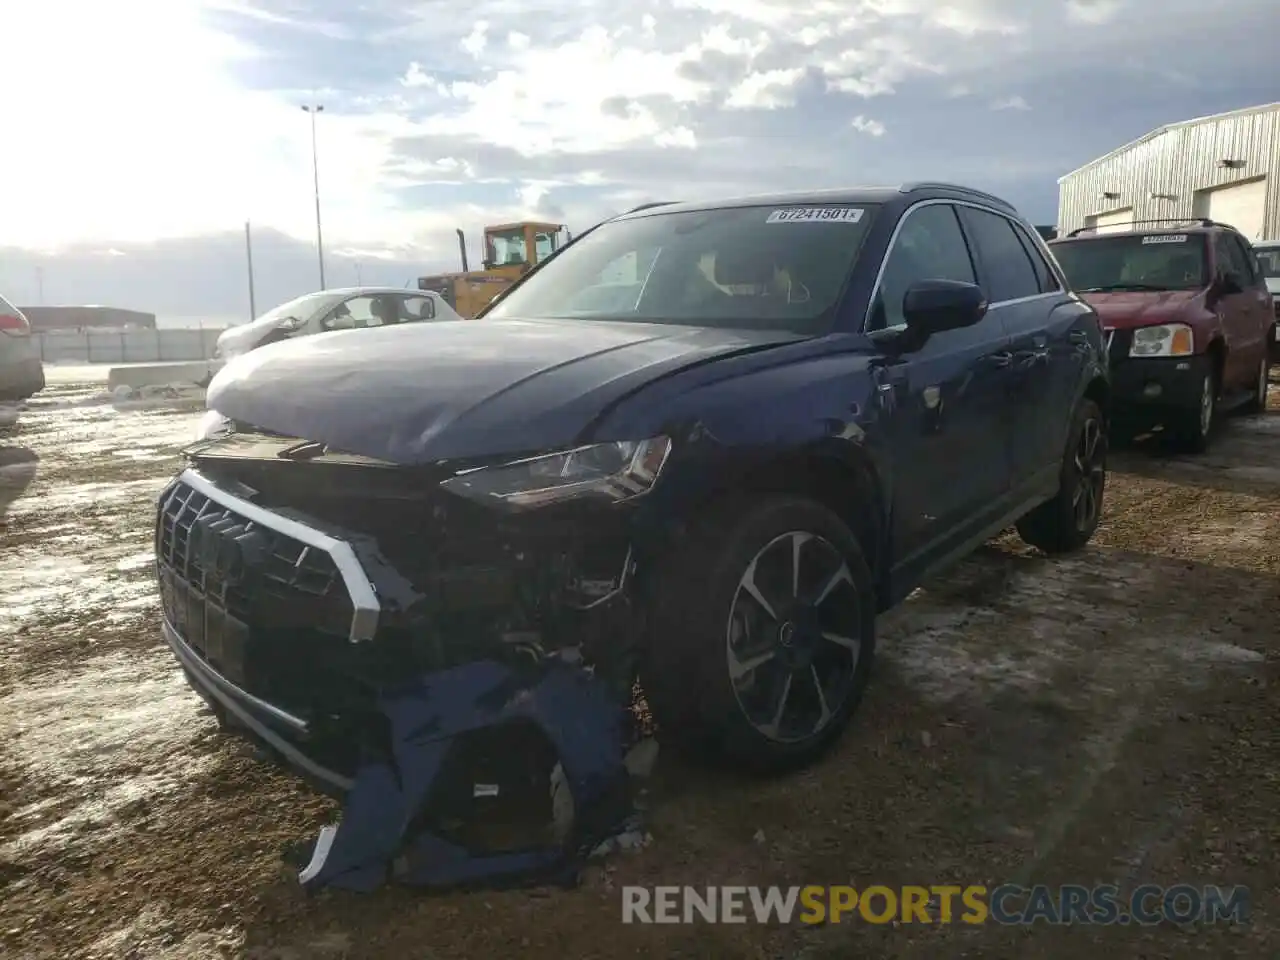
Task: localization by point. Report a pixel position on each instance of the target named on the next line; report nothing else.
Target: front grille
(222, 576)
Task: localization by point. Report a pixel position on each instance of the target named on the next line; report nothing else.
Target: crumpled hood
(1126, 309)
(417, 393)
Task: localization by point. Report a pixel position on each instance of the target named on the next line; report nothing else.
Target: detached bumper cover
(579, 717)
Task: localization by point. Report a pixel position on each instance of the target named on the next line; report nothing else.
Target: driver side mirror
(289, 324)
(932, 306)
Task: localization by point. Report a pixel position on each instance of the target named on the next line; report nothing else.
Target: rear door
(1025, 294)
(944, 407)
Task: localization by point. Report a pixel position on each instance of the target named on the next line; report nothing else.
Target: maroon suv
(1187, 318)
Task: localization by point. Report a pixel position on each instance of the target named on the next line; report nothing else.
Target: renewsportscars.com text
(1007, 904)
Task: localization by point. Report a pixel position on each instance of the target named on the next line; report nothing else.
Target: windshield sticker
(1166, 238)
(816, 214)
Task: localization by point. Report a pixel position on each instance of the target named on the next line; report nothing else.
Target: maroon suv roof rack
(1180, 221)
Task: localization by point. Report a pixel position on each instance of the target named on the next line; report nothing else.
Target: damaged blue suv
(697, 450)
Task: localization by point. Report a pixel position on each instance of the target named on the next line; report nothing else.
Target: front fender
(758, 421)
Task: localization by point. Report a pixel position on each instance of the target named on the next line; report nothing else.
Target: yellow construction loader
(510, 251)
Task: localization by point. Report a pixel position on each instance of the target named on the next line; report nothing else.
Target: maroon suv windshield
(1134, 261)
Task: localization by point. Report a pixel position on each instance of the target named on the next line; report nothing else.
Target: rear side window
(1044, 273)
(1010, 274)
(1269, 260)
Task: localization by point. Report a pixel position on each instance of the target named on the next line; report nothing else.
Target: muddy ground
(1111, 717)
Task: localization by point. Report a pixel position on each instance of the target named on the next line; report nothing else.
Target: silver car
(344, 309)
(21, 372)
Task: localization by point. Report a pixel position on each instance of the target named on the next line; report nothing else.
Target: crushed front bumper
(281, 733)
(240, 582)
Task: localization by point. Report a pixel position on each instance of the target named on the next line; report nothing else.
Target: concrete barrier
(126, 346)
(158, 374)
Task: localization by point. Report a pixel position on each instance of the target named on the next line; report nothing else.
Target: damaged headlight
(602, 471)
(212, 425)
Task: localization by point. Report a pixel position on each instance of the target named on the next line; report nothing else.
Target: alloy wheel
(1206, 406)
(793, 637)
(1090, 463)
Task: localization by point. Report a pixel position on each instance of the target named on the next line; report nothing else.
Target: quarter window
(1010, 274)
(929, 246)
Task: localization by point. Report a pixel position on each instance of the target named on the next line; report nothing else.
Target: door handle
(1001, 359)
(1078, 336)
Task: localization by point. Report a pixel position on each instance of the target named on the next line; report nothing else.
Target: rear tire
(1258, 403)
(762, 686)
(1191, 431)
(1067, 522)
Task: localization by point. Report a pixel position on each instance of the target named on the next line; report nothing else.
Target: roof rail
(1179, 221)
(958, 188)
(650, 205)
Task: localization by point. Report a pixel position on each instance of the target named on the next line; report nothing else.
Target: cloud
(439, 116)
(1093, 12)
(1010, 103)
(872, 128)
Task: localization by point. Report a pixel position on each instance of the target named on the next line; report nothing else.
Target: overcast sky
(139, 135)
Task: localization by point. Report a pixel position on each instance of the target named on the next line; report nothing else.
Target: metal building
(1225, 167)
(89, 317)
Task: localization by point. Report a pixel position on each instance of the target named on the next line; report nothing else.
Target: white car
(1268, 252)
(344, 309)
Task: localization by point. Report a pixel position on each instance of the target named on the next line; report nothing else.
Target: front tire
(1067, 522)
(1192, 429)
(1258, 402)
(763, 635)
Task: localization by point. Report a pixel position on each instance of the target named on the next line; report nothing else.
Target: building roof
(1243, 111)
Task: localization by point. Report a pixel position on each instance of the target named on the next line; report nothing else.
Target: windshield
(761, 268)
(300, 307)
(506, 247)
(1163, 261)
(1269, 261)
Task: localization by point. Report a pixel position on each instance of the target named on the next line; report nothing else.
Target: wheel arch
(1216, 351)
(846, 482)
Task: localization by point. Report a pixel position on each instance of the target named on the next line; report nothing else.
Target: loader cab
(522, 245)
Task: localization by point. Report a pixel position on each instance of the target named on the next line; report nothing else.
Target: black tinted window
(1044, 274)
(929, 246)
(1009, 272)
(1248, 263)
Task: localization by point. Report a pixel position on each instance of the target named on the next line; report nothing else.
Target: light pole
(314, 109)
(248, 252)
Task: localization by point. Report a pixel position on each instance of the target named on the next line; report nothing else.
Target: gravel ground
(1110, 717)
